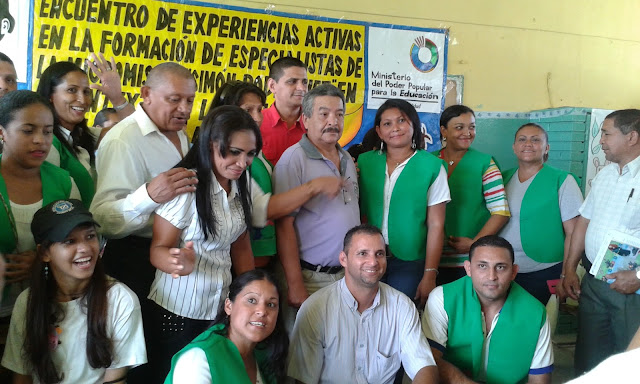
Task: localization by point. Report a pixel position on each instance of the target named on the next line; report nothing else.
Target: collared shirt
(131, 154)
(321, 222)
(276, 136)
(435, 325)
(612, 204)
(334, 343)
(198, 294)
(438, 192)
(83, 156)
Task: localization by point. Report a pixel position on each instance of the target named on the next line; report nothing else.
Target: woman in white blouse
(198, 237)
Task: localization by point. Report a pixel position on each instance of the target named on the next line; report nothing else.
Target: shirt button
(361, 345)
(359, 368)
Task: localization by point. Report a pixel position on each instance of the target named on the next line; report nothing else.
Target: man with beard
(308, 240)
(484, 327)
(359, 330)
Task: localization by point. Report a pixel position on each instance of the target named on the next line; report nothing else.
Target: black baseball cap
(56, 220)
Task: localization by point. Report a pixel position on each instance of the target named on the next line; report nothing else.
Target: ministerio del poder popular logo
(424, 54)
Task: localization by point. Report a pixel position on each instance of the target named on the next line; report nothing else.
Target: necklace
(451, 162)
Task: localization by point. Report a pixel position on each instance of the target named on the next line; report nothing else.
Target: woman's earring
(413, 144)
(46, 271)
(381, 147)
(444, 142)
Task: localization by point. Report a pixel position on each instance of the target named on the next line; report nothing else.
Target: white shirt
(613, 203)
(620, 369)
(435, 325)
(569, 201)
(198, 295)
(131, 154)
(333, 343)
(438, 192)
(83, 155)
(124, 323)
(192, 367)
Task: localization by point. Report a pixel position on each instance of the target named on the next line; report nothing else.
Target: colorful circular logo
(424, 54)
(62, 207)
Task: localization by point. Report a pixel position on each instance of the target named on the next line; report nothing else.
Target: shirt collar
(217, 188)
(272, 116)
(632, 167)
(351, 302)
(312, 152)
(145, 123)
(66, 133)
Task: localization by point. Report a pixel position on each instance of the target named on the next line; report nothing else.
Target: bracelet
(121, 106)
(432, 270)
(562, 276)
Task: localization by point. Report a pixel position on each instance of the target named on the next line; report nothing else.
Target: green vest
(80, 175)
(540, 216)
(467, 211)
(56, 184)
(408, 206)
(225, 362)
(513, 340)
(263, 240)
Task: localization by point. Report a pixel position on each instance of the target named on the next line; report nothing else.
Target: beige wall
(516, 55)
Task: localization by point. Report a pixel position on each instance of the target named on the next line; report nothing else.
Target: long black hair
(217, 127)
(44, 312)
(410, 112)
(80, 135)
(276, 345)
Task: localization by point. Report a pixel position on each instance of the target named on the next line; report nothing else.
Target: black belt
(320, 268)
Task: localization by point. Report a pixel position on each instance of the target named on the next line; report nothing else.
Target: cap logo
(62, 207)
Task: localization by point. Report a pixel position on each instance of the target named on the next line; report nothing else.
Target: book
(619, 252)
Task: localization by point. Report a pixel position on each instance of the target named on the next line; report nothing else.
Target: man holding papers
(609, 314)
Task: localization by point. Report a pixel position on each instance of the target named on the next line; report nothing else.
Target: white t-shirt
(192, 367)
(438, 192)
(620, 368)
(198, 295)
(435, 325)
(569, 199)
(124, 324)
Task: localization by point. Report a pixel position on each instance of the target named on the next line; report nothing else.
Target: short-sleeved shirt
(198, 294)
(435, 325)
(276, 136)
(612, 204)
(569, 200)
(334, 343)
(124, 323)
(321, 222)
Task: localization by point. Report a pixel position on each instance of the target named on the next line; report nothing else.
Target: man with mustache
(135, 175)
(485, 327)
(308, 240)
(609, 314)
(282, 126)
(359, 330)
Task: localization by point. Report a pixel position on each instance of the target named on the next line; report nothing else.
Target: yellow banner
(216, 44)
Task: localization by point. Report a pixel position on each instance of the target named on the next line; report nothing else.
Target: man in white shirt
(135, 175)
(484, 327)
(358, 330)
(609, 314)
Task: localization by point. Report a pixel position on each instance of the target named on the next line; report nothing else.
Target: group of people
(261, 250)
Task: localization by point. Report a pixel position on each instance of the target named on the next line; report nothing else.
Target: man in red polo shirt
(282, 126)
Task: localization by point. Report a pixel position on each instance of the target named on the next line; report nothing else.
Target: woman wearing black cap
(74, 324)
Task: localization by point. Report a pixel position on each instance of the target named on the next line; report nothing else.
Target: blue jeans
(404, 275)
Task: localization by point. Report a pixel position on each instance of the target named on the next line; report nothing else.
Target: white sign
(406, 64)
(14, 34)
(595, 157)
